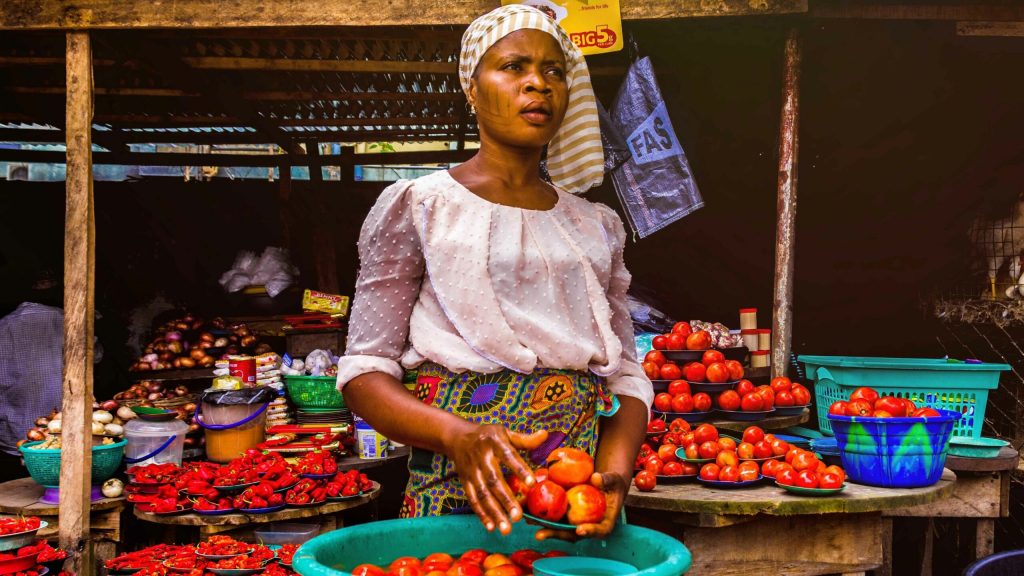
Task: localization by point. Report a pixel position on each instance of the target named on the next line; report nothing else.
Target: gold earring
(472, 109)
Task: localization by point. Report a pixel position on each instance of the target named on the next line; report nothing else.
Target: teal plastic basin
(581, 566)
(337, 552)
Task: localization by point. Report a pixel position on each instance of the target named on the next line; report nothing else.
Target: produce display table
(765, 530)
(330, 514)
(21, 497)
(773, 423)
(982, 494)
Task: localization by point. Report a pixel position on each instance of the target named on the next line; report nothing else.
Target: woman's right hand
(480, 453)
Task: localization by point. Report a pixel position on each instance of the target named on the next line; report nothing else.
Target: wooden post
(785, 233)
(285, 211)
(79, 313)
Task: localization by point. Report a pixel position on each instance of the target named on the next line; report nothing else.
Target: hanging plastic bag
(655, 186)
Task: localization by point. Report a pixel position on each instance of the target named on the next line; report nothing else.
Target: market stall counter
(765, 530)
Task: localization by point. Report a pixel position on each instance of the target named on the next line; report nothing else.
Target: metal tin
(244, 368)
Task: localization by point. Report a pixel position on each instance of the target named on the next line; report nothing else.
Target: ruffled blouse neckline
(458, 186)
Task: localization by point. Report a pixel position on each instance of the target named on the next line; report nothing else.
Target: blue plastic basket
(44, 465)
(938, 383)
(334, 553)
(894, 452)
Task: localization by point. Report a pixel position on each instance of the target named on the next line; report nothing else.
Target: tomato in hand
(695, 372)
(659, 342)
(717, 373)
(547, 501)
(678, 387)
(701, 402)
(645, 481)
(682, 402)
(655, 356)
(711, 357)
(807, 479)
(569, 466)
(865, 393)
(753, 434)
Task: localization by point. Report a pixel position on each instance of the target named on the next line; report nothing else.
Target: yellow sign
(594, 25)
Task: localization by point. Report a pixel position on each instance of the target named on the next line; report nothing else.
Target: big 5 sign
(593, 25)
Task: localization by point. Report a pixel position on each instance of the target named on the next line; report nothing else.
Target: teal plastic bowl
(338, 552)
(981, 447)
(581, 566)
(44, 465)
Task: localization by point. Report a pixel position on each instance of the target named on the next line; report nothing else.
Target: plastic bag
(236, 397)
(655, 185)
(318, 362)
(272, 269)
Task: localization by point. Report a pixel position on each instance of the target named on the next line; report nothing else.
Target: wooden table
(772, 423)
(21, 497)
(766, 530)
(982, 494)
(330, 512)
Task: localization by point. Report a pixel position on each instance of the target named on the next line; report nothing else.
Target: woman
(507, 293)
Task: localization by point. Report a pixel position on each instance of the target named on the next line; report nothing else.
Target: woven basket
(314, 392)
(44, 465)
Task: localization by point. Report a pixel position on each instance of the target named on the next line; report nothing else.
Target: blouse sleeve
(390, 272)
(630, 379)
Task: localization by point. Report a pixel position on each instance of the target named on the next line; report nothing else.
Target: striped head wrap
(575, 159)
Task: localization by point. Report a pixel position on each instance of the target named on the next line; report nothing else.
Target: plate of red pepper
(348, 485)
(148, 558)
(285, 553)
(213, 507)
(219, 547)
(154, 474)
(24, 558)
(308, 492)
(185, 563)
(259, 499)
(317, 464)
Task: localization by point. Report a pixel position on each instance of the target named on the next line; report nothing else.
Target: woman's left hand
(615, 488)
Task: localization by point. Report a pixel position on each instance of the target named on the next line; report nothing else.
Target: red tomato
(701, 402)
(587, 505)
(838, 408)
(367, 570)
(699, 340)
(784, 398)
(744, 387)
(838, 471)
(752, 402)
(682, 402)
(749, 471)
(726, 443)
(717, 373)
(858, 408)
(671, 438)
(695, 372)
(729, 474)
(678, 387)
(682, 328)
(892, 405)
(405, 571)
(712, 356)
(729, 400)
(463, 568)
(769, 468)
(670, 371)
(705, 433)
(659, 343)
(519, 488)
(829, 480)
(805, 460)
(785, 476)
(745, 451)
(727, 458)
(655, 356)
(709, 449)
(667, 453)
(881, 414)
(807, 479)
(710, 471)
(404, 561)
(689, 469)
(779, 447)
(525, 558)
(865, 393)
(768, 395)
(569, 466)
(652, 370)
(762, 449)
(675, 342)
(663, 402)
(547, 501)
(679, 426)
(735, 370)
(645, 481)
(910, 407)
(439, 557)
(753, 434)
(780, 383)
(672, 469)
(687, 439)
(539, 475)
(801, 395)
(791, 453)
(656, 425)
(926, 413)
(654, 465)
(692, 451)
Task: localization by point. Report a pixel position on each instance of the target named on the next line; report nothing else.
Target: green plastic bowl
(581, 566)
(980, 447)
(337, 552)
(44, 465)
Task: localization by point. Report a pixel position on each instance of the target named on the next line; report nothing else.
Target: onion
(181, 390)
(247, 341)
(35, 434)
(176, 363)
(112, 488)
(154, 386)
(206, 337)
(160, 347)
(193, 428)
(190, 442)
(207, 361)
(190, 407)
(150, 358)
(172, 336)
(113, 429)
(128, 395)
(42, 421)
(220, 342)
(167, 357)
(109, 405)
(146, 404)
(102, 416)
(187, 362)
(54, 427)
(197, 354)
(97, 428)
(153, 396)
(204, 345)
(176, 347)
(125, 413)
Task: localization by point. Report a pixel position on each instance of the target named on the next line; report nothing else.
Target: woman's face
(519, 90)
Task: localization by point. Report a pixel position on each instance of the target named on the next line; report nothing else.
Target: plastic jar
(760, 358)
(764, 339)
(748, 318)
(749, 339)
(372, 445)
(233, 420)
(154, 442)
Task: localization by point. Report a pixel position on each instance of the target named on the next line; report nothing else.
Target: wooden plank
(317, 65)
(886, 568)
(1010, 29)
(92, 14)
(771, 423)
(973, 497)
(229, 159)
(917, 11)
(984, 538)
(79, 310)
(1007, 459)
(21, 496)
(785, 231)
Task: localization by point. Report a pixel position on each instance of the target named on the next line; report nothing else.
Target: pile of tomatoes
(803, 469)
(562, 490)
(474, 562)
(679, 399)
(682, 337)
(865, 401)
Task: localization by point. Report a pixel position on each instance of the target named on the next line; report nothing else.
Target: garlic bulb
(113, 429)
(97, 428)
(112, 488)
(102, 416)
(53, 427)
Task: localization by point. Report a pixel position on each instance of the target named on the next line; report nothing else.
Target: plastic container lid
(139, 427)
(748, 310)
(258, 395)
(763, 330)
(749, 331)
(280, 533)
(760, 352)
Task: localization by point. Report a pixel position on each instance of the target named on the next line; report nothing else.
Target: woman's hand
(615, 488)
(479, 454)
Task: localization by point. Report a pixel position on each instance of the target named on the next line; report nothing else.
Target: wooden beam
(95, 14)
(785, 232)
(315, 65)
(226, 137)
(79, 310)
(917, 10)
(257, 160)
(998, 29)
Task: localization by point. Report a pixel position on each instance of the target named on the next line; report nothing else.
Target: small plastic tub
(581, 566)
(981, 447)
(281, 533)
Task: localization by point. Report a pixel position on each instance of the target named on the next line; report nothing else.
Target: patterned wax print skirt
(566, 403)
